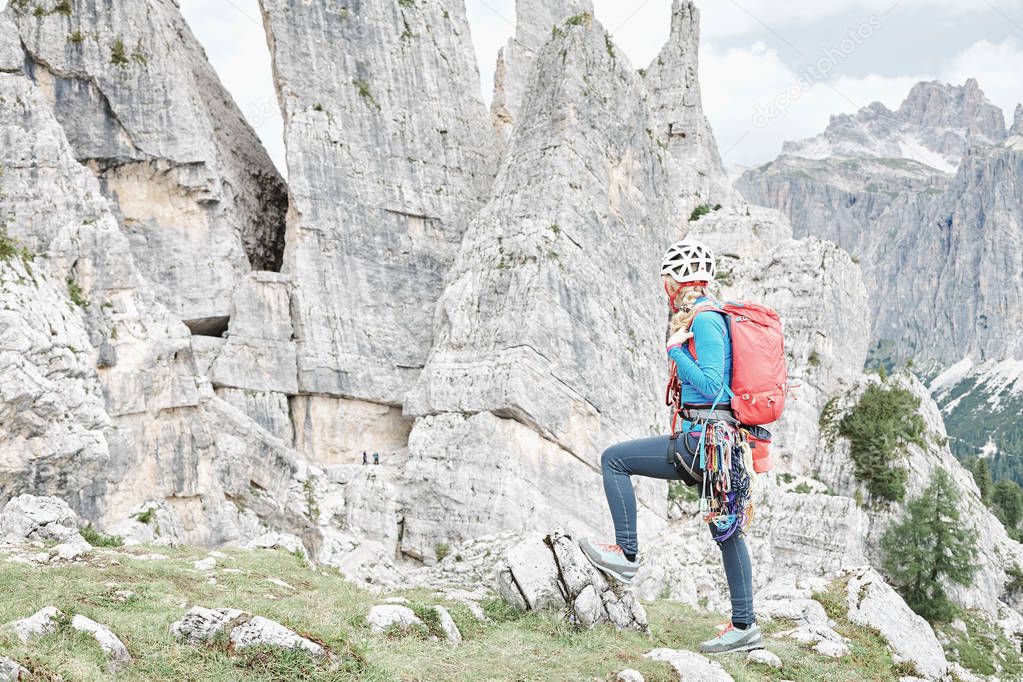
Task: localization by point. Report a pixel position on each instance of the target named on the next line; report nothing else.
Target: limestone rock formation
(389, 157)
(201, 625)
(551, 572)
(107, 406)
(873, 603)
(535, 22)
(191, 186)
(518, 328)
(680, 125)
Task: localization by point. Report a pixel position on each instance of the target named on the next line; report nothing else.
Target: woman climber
(706, 450)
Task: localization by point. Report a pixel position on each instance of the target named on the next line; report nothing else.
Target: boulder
(200, 625)
(111, 645)
(690, 666)
(874, 604)
(28, 517)
(551, 572)
(447, 624)
(42, 622)
(384, 616)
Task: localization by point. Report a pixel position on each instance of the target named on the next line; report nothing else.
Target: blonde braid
(686, 310)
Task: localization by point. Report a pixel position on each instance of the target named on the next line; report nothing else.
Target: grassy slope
(326, 608)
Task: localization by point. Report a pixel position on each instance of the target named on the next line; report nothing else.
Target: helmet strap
(672, 297)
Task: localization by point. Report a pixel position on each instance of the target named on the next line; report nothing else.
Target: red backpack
(759, 374)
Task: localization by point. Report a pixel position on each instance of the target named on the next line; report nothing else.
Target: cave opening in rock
(209, 326)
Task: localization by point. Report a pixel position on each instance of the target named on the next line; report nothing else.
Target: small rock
(831, 649)
(691, 667)
(629, 675)
(763, 657)
(207, 564)
(396, 600)
(201, 624)
(447, 624)
(10, 671)
(42, 622)
(285, 541)
(111, 645)
(279, 583)
(259, 631)
(383, 616)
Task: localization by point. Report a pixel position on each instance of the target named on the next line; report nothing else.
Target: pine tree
(982, 477)
(1007, 504)
(930, 545)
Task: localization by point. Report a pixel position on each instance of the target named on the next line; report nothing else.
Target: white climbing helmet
(689, 261)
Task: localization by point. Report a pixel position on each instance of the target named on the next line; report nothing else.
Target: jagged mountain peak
(1017, 121)
(934, 104)
(534, 22)
(935, 125)
(676, 102)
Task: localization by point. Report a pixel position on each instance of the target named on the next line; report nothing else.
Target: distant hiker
(376, 458)
(365, 461)
(711, 448)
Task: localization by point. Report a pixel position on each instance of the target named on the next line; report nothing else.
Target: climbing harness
(722, 463)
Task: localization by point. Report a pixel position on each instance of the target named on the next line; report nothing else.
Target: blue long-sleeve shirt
(702, 378)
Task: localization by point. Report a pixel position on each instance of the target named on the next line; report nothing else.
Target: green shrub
(118, 54)
(11, 248)
(97, 539)
(74, 290)
(441, 550)
(577, 20)
(699, 212)
(881, 424)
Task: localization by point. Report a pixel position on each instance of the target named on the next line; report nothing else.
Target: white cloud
(997, 68)
(723, 18)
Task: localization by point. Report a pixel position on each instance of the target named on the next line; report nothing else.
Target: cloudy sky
(754, 57)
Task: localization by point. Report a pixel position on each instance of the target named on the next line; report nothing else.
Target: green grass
(983, 649)
(327, 608)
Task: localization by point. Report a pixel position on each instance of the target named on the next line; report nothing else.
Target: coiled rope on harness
(726, 461)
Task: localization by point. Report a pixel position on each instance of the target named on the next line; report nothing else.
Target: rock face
(873, 603)
(186, 176)
(680, 125)
(551, 572)
(104, 403)
(389, 156)
(517, 328)
(535, 21)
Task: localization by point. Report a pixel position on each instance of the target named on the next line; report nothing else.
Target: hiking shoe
(733, 639)
(610, 559)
